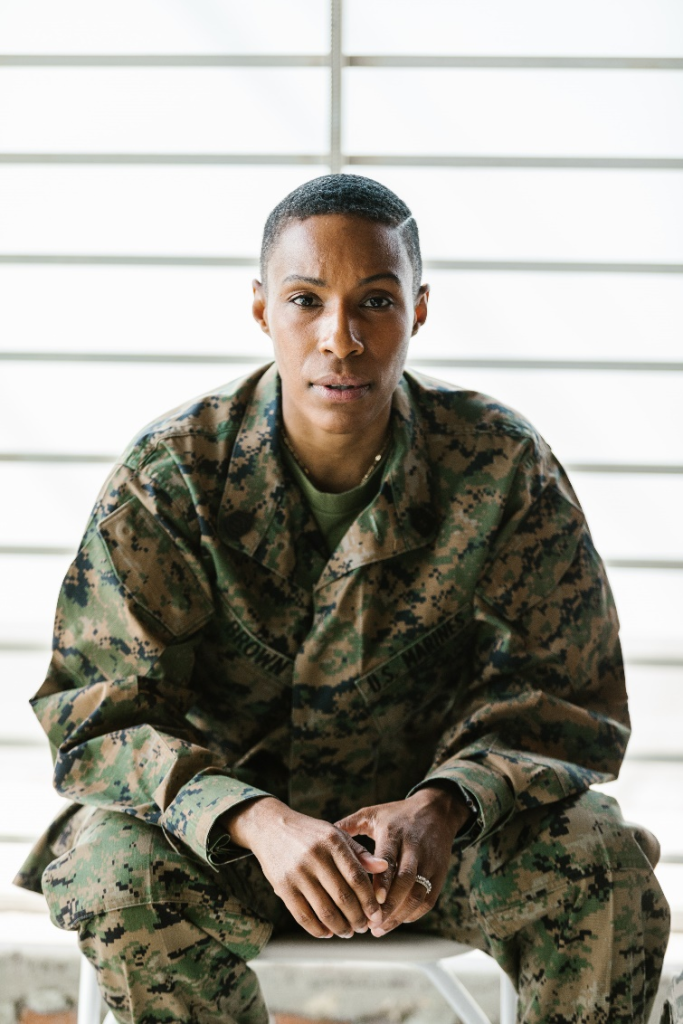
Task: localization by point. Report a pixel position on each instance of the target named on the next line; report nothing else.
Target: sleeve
(132, 609)
(543, 712)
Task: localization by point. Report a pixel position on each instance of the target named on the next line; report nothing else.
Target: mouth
(346, 389)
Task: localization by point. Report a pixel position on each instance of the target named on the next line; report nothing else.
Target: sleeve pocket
(159, 572)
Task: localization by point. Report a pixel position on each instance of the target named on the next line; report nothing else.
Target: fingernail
(347, 935)
(378, 932)
(381, 895)
(361, 931)
(376, 917)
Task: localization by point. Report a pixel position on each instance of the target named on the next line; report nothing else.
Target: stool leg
(89, 1001)
(508, 1000)
(455, 994)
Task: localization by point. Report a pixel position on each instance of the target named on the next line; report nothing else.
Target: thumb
(373, 865)
(387, 853)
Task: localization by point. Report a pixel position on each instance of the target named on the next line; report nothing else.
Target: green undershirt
(334, 513)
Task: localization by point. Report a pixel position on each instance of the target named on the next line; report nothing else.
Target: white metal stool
(408, 950)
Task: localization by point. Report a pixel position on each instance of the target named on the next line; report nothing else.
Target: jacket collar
(264, 515)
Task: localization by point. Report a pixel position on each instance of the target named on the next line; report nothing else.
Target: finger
(417, 903)
(304, 914)
(415, 906)
(363, 822)
(348, 914)
(427, 899)
(402, 892)
(331, 916)
(353, 892)
(370, 861)
(357, 824)
(387, 851)
(387, 847)
(373, 865)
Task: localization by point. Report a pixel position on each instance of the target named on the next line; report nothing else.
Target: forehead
(330, 246)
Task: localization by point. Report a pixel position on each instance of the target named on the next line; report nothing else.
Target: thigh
(168, 935)
(566, 901)
(541, 858)
(116, 861)
(537, 853)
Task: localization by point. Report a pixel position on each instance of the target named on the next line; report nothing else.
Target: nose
(339, 335)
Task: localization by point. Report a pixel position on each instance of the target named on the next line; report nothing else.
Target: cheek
(395, 357)
(290, 355)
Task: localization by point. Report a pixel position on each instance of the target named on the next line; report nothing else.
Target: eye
(378, 302)
(305, 301)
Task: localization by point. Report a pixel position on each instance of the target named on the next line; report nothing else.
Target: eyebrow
(323, 284)
(306, 280)
(378, 277)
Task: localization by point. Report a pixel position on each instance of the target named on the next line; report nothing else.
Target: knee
(597, 832)
(579, 838)
(647, 842)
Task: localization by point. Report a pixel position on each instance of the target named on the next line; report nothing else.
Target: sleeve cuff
(197, 807)
(220, 849)
(491, 796)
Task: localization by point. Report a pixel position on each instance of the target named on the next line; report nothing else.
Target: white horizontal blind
(541, 149)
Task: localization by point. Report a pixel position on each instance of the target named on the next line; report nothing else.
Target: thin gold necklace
(373, 465)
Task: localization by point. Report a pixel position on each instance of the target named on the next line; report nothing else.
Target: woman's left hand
(415, 837)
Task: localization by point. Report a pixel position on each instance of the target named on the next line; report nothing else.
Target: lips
(341, 389)
(345, 381)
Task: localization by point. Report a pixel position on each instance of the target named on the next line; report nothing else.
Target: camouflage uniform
(208, 649)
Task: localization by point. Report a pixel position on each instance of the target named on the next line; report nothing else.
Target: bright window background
(540, 146)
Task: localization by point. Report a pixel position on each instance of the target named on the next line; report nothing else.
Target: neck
(336, 462)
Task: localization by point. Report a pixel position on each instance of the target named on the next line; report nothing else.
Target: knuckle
(328, 914)
(357, 877)
(286, 890)
(405, 875)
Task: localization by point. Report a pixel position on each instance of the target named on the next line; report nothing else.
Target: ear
(420, 308)
(258, 308)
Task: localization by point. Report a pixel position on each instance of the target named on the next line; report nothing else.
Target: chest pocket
(157, 571)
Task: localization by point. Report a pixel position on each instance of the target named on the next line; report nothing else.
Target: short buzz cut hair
(350, 194)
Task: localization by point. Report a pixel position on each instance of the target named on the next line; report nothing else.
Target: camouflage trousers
(563, 897)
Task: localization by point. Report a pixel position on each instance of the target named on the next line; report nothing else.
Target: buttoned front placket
(334, 740)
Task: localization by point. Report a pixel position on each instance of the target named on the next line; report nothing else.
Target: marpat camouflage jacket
(208, 648)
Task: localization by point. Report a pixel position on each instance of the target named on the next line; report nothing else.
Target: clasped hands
(330, 883)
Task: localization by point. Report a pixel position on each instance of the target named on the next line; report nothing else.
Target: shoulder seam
(155, 441)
